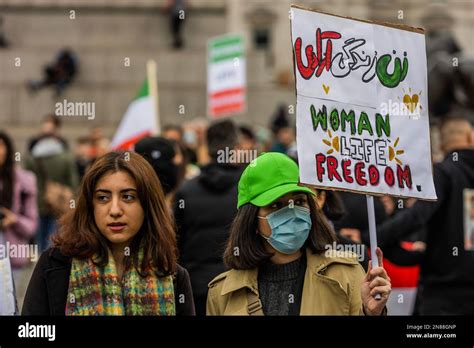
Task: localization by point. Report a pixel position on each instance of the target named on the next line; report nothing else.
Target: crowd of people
(177, 228)
(209, 218)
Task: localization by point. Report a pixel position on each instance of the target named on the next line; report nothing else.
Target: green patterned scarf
(95, 290)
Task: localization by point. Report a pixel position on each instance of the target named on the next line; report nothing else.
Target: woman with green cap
(281, 257)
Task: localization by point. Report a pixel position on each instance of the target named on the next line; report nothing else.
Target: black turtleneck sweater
(280, 287)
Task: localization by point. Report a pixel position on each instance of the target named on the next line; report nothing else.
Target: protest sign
(362, 105)
(7, 290)
(226, 76)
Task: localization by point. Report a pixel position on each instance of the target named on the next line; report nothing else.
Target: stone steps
(103, 34)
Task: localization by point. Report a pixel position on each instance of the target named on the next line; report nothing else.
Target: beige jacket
(332, 286)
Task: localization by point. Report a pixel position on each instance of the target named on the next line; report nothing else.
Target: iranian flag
(226, 76)
(139, 121)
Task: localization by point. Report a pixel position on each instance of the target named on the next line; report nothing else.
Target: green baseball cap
(267, 178)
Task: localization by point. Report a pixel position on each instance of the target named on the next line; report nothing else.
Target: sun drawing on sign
(393, 152)
(332, 142)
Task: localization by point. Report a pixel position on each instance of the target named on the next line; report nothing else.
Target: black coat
(204, 209)
(48, 287)
(447, 269)
(355, 206)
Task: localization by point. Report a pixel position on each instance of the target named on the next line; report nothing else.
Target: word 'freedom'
(366, 160)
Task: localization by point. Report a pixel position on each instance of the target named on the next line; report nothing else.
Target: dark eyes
(126, 197)
(102, 198)
(277, 205)
(301, 201)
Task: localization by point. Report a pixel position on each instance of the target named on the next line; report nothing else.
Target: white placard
(362, 105)
(7, 294)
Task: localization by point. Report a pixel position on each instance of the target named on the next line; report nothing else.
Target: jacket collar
(317, 263)
(56, 254)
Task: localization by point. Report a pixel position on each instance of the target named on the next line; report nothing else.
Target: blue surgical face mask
(290, 228)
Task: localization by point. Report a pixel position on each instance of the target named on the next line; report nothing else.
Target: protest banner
(226, 76)
(362, 107)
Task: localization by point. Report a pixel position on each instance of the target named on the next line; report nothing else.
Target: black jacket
(447, 269)
(48, 287)
(355, 206)
(204, 209)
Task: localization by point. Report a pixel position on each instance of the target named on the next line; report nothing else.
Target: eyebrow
(121, 191)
